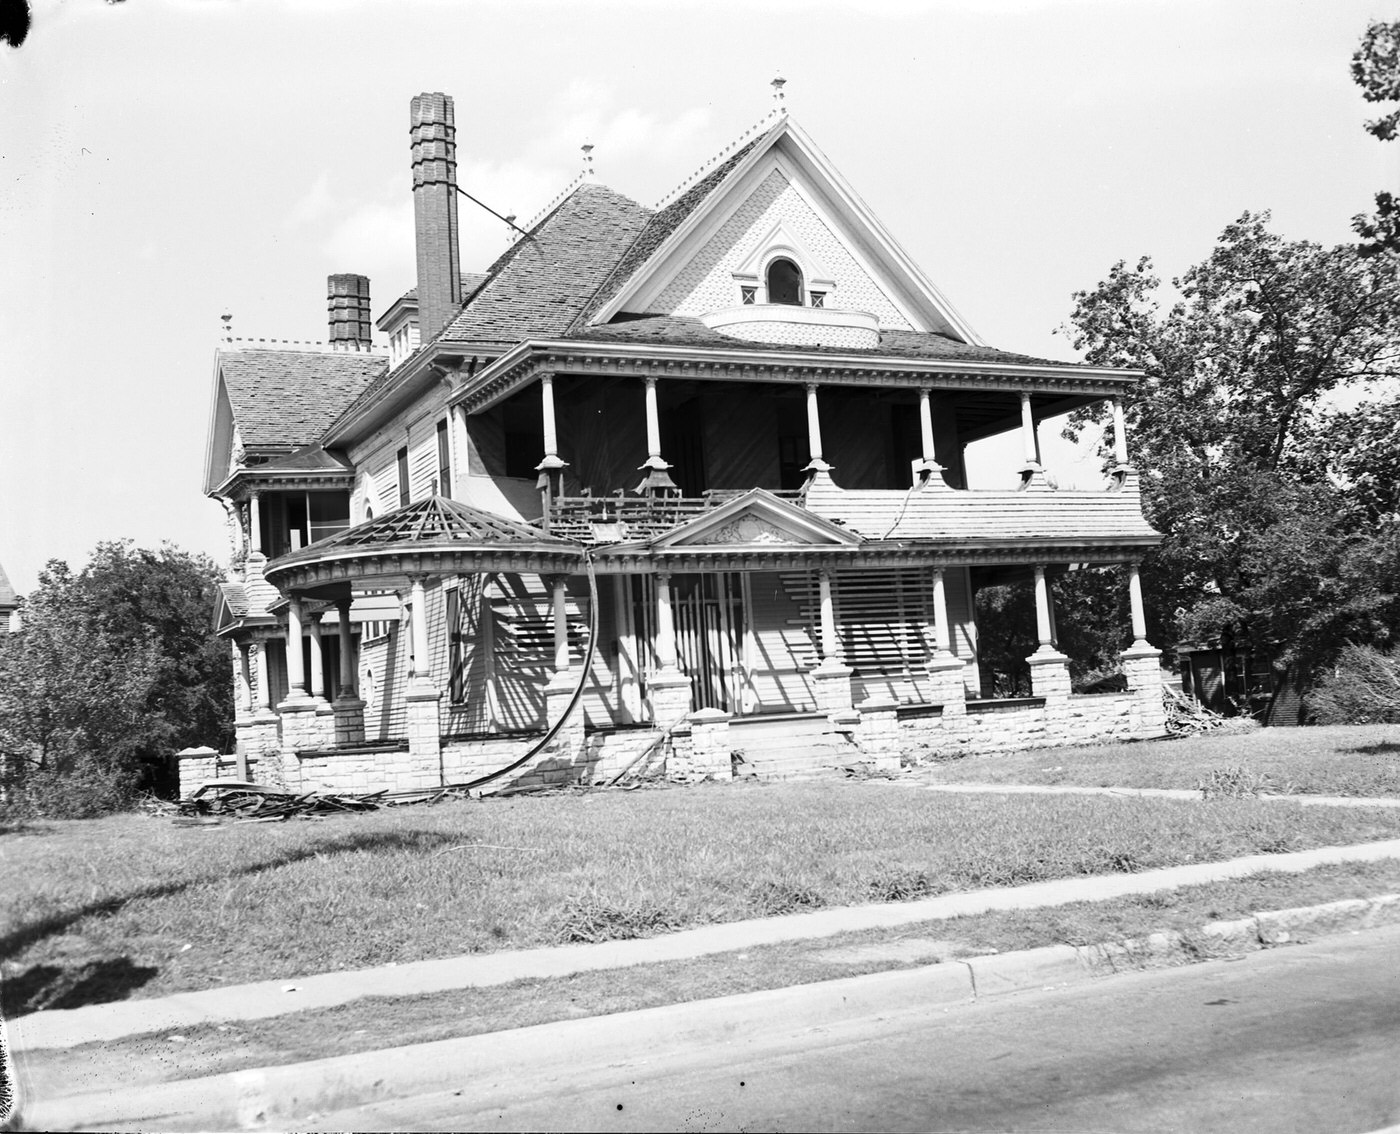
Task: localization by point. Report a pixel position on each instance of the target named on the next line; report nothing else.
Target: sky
(166, 162)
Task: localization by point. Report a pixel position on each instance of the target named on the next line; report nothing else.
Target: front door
(709, 614)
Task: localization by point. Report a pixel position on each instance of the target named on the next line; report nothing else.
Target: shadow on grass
(1384, 748)
(107, 980)
(51, 986)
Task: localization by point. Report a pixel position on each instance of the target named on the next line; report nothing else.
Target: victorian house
(676, 486)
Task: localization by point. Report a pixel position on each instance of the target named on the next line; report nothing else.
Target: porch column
(318, 660)
(830, 644)
(1142, 665)
(1120, 433)
(349, 709)
(814, 432)
(1049, 667)
(254, 524)
(668, 688)
(1043, 632)
(551, 460)
(930, 466)
(424, 726)
(1030, 446)
(1139, 614)
(418, 630)
(244, 689)
(831, 680)
(665, 624)
(296, 671)
(264, 685)
(561, 623)
(657, 478)
(945, 671)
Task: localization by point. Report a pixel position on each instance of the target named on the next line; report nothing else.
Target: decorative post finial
(228, 327)
(777, 85)
(587, 148)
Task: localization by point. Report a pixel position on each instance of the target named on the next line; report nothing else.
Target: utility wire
(493, 212)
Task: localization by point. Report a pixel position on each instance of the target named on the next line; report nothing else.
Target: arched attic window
(785, 283)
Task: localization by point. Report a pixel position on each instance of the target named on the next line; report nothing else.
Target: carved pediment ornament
(747, 530)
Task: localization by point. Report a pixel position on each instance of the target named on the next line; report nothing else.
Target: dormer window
(785, 283)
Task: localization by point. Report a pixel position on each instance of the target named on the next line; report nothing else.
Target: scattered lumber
(1186, 716)
(246, 802)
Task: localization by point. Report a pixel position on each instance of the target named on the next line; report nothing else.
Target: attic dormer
(400, 323)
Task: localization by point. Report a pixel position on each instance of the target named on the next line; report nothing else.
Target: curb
(280, 1097)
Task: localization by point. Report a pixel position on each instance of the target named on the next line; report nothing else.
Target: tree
(1247, 469)
(1376, 70)
(112, 670)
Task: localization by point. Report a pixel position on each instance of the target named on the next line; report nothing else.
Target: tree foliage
(1278, 509)
(1376, 70)
(113, 669)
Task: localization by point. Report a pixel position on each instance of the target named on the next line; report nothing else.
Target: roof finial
(228, 327)
(510, 228)
(777, 85)
(587, 148)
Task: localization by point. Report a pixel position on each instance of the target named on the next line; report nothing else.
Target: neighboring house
(9, 605)
(655, 474)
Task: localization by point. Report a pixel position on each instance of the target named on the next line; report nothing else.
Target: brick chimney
(434, 141)
(347, 307)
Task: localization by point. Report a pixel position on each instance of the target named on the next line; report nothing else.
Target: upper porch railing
(618, 518)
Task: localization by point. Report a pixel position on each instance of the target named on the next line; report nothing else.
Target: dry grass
(133, 906)
(1335, 760)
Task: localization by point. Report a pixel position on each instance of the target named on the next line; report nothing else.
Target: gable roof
(714, 197)
(282, 398)
(659, 229)
(8, 599)
(543, 281)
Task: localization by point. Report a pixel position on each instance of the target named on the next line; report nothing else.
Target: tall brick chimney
(347, 308)
(434, 140)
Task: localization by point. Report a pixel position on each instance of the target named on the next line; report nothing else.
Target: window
(793, 459)
(403, 476)
(444, 460)
(818, 298)
(747, 293)
(784, 283)
(456, 654)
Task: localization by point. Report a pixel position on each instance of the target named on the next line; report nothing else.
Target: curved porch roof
(435, 536)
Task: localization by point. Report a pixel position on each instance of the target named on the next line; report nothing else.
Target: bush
(1363, 687)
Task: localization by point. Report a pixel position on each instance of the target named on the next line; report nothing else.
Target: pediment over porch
(757, 520)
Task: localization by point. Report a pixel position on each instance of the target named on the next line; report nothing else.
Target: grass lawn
(137, 906)
(1335, 760)
(370, 1024)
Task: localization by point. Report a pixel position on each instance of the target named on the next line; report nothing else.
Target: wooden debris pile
(258, 803)
(1186, 716)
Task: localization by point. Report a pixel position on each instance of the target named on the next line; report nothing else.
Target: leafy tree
(1247, 470)
(1376, 69)
(112, 670)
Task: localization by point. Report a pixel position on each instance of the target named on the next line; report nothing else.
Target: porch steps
(794, 746)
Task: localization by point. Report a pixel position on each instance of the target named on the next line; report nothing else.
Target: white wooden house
(678, 481)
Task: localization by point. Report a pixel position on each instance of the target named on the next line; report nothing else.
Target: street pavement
(1298, 1039)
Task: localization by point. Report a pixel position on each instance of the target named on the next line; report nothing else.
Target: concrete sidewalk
(1147, 793)
(107, 1022)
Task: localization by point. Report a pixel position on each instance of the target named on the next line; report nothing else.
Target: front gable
(757, 520)
(783, 199)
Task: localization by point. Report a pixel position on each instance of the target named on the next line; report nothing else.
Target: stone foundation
(707, 754)
(947, 678)
(669, 693)
(1049, 674)
(878, 733)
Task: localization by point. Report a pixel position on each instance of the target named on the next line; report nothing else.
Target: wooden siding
(780, 650)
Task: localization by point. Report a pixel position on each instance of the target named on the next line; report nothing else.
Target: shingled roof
(541, 284)
(8, 601)
(659, 228)
(290, 397)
